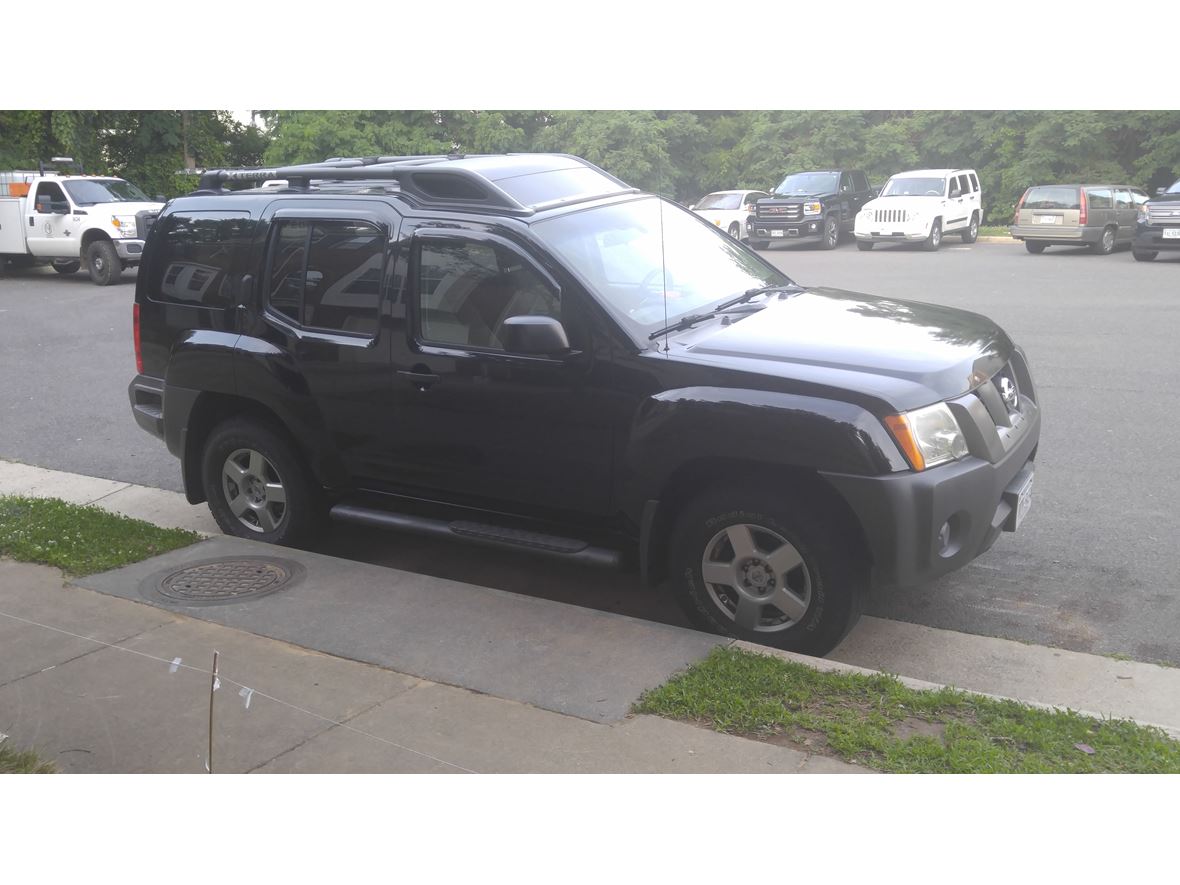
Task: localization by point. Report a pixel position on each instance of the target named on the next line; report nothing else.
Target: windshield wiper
(682, 323)
(693, 319)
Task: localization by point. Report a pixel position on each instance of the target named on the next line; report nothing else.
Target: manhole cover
(221, 581)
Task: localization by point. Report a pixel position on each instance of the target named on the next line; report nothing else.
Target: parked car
(1157, 226)
(728, 210)
(820, 205)
(524, 352)
(922, 206)
(1100, 216)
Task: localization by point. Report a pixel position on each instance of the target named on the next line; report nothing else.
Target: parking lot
(1093, 568)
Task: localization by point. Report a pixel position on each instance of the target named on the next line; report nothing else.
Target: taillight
(135, 334)
(1016, 217)
(1082, 211)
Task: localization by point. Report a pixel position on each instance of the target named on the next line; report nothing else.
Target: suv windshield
(805, 183)
(720, 201)
(104, 190)
(914, 187)
(630, 253)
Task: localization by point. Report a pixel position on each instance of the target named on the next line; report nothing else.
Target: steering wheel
(933, 193)
(651, 294)
(646, 286)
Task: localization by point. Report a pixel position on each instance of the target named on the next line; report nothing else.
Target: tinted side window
(1100, 198)
(859, 181)
(327, 274)
(194, 255)
(955, 186)
(974, 182)
(48, 193)
(845, 182)
(1122, 199)
(467, 289)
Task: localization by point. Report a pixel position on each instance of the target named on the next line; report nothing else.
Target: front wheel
(749, 564)
(1105, 245)
(971, 234)
(735, 231)
(257, 486)
(864, 245)
(831, 232)
(934, 240)
(1144, 254)
(102, 262)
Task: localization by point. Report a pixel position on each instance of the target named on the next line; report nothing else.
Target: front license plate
(1023, 501)
(1172, 233)
(1047, 219)
(776, 233)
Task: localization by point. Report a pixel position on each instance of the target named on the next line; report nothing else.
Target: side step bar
(568, 549)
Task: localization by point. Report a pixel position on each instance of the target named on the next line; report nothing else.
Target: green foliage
(683, 154)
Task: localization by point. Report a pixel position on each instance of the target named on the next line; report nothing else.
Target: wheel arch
(92, 235)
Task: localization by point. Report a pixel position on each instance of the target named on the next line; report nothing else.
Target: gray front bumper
(129, 250)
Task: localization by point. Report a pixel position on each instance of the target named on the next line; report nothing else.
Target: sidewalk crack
(101, 647)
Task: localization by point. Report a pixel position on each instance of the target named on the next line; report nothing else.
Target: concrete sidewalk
(528, 659)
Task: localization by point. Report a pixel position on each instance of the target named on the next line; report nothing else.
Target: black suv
(810, 204)
(1157, 227)
(523, 351)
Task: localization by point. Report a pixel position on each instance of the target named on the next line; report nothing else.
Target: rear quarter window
(195, 256)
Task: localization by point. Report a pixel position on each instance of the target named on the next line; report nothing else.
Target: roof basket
(429, 178)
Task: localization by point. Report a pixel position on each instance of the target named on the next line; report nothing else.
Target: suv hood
(908, 202)
(905, 354)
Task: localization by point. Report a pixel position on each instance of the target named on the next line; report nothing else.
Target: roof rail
(428, 178)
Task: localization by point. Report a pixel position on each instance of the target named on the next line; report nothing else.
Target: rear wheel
(932, 242)
(971, 234)
(831, 232)
(1105, 245)
(1034, 248)
(256, 485)
(1144, 254)
(749, 564)
(102, 262)
(864, 245)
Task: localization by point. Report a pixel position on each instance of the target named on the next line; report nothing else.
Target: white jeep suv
(922, 206)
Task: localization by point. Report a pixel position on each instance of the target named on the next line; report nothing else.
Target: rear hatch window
(1053, 198)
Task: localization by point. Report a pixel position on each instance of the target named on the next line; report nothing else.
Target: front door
(477, 423)
(958, 208)
(49, 232)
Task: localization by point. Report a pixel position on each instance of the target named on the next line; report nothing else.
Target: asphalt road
(1093, 568)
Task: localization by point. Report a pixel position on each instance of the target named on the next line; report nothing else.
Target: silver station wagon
(1100, 216)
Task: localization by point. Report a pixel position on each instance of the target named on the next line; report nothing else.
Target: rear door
(1100, 211)
(1124, 207)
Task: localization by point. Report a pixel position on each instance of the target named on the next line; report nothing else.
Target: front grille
(781, 211)
(144, 221)
(891, 216)
(1164, 214)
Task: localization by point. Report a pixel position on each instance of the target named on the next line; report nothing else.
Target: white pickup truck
(69, 220)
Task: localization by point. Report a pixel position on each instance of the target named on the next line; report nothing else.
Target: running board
(567, 549)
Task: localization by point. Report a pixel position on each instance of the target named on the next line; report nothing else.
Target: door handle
(420, 379)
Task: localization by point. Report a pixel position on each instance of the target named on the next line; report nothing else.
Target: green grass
(23, 762)
(79, 540)
(993, 230)
(877, 722)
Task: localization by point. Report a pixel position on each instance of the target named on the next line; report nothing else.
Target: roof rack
(439, 180)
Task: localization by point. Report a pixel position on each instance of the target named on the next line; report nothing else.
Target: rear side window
(326, 274)
(860, 182)
(195, 255)
(1100, 198)
(974, 183)
(1054, 197)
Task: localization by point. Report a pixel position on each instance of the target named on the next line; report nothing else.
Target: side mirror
(160, 198)
(61, 207)
(1160, 190)
(692, 206)
(540, 335)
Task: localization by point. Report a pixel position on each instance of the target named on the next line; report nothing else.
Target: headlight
(928, 436)
(813, 208)
(124, 224)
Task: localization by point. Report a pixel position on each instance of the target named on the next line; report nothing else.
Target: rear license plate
(1047, 219)
(1172, 233)
(776, 233)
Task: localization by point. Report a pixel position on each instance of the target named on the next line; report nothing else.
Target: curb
(1006, 240)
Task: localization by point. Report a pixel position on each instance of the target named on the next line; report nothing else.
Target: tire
(1106, 245)
(821, 588)
(831, 237)
(865, 245)
(1034, 248)
(1143, 254)
(257, 486)
(102, 263)
(971, 234)
(735, 231)
(932, 242)
(757, 245)
(67, 266)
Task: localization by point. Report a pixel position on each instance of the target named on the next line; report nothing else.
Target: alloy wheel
(253, 490)
(757, 578)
